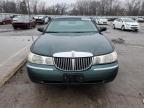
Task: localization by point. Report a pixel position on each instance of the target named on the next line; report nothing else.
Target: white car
(126, 24)
(41, 19)
(101, 21)
(140, 19)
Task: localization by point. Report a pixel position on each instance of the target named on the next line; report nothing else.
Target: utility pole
(29, 14)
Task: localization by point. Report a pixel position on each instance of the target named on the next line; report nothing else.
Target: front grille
(73, 64)
(134, 27)
(39, 20)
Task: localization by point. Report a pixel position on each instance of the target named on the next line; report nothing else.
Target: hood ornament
(73, 60)
(73, 54)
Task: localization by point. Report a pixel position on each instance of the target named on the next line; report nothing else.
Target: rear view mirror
(41, 29)
(101, 29)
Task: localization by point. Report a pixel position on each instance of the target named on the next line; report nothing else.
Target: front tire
(15, 28)
(28, 26)
(114, 26)
(3, 23)
(123, 28)
(34, 25)
(43, 23)
(136, 30)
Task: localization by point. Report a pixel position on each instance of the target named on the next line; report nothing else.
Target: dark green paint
(48, 44)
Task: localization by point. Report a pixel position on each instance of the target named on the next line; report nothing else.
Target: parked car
(140, 19)
(72, 50)
(41, 19)
(101, 21)
(126, 24)
(13, 16)
(23, 22)
(111, 19)
(5, 20)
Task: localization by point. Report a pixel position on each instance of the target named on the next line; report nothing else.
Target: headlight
(108, 58)
(37, 59)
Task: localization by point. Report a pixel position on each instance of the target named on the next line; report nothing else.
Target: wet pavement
(9, 46)
(13, 50)
(6, 28)
(13, 41)
(127, 91)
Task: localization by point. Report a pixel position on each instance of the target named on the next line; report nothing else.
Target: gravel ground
(127, 91)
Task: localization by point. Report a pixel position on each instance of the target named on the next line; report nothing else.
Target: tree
(23, 7)
(81, 7)
(133, 7)
(142, 9)
(35, 11)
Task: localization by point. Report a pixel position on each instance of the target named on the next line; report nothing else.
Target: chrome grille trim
(73, 64)
(73, 61)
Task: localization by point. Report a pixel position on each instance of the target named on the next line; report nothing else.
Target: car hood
(19, 20)
(103, 20)
(132, 23)
(49, 44)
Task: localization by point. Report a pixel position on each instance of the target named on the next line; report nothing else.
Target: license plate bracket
(73, 77)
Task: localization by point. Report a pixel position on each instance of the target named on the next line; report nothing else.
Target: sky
(52, 2)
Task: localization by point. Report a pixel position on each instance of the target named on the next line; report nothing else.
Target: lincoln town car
(72, 50)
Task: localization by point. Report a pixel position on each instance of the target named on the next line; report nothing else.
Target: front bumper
(103, 23)
(20, 25)
(51, 75)
(132, 28)
(40, 21)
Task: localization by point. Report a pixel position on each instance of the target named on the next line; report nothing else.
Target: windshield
(21, 17)
(128, 20)
(71, 26)
(39, 16)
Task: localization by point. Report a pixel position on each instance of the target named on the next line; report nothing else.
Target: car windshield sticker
(85, 19)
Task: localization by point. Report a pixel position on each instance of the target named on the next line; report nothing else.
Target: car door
(116, 23)
(46, 20)
(120, 23)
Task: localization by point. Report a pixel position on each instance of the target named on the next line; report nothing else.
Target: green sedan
(72, 50)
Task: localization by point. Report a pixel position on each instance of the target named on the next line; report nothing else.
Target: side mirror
(49, 18)
(101, 29)
(41, 29)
